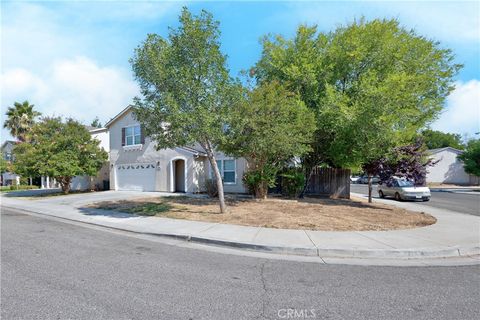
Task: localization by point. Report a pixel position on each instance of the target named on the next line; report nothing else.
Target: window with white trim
(227, 170)
(133, 135)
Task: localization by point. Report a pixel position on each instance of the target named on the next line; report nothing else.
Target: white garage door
(137, 176)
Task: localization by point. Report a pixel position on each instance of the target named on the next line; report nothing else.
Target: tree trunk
(218, 177)
(261, 191)
(305, 185)
(65, 183)
(369, 188)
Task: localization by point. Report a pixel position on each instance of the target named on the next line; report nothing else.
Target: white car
(354, 179)
(404, 190)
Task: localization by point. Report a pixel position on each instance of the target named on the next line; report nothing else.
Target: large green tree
(372, 84)
(20, 119)
(59, 149)
(186, 87)
(269, 129)
(437, 139)
(471, 157)
(3, 165)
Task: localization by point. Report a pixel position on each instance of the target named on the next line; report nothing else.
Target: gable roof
(118, 116)
(434, 151)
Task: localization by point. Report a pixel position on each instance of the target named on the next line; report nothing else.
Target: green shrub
(293, 181)
(258, 181)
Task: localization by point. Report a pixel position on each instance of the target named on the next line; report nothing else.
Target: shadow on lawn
(326, 201)
(41, 193)
(106, 213)
(30, 193)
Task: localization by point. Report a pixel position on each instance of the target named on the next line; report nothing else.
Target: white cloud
(462, 114)
(32, 37)
(46, 55)
(78, 88)
(447, 21)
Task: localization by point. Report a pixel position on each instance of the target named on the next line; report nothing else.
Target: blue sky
(71, 58)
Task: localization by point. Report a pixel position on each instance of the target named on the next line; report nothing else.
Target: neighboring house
(449, 168)
(8, 178)
(102, 180)
(135, 164)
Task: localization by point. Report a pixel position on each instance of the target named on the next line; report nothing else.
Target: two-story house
(135, 164)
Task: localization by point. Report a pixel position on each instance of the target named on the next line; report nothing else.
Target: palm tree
(20, 118)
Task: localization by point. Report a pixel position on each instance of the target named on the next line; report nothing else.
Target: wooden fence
(330, 182)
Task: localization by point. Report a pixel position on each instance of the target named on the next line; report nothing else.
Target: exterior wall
(104, 138)
(92, 183)
(9, 179)
(448, 170)
(81, 183)
(95, 183)
(240, 168)
(163, 159)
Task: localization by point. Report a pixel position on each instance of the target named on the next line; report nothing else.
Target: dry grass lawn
(310, 213)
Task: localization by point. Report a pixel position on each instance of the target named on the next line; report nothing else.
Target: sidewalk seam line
(385, 244)
(316, 248)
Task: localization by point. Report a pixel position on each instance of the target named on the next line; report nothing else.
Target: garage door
(137, 176)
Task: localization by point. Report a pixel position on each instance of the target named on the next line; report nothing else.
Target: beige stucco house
(449, 169)
(135, 164)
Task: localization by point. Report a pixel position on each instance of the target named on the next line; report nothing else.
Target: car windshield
(403, 183)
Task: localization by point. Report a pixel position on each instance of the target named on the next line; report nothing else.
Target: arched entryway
(179, 174)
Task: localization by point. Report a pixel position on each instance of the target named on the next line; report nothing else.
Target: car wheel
(397, 196)
(426, 199)
(380, 193)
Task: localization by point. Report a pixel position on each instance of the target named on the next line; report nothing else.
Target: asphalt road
(459, 202)
(55, 270)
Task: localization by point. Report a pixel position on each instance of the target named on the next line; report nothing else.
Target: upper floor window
(8, 156)
(132, 136)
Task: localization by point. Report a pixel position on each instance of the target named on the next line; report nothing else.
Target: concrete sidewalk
(454, 234)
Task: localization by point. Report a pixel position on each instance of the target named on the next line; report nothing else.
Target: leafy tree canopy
(96, 123)
(186, 87)
(59, 149)
(20, 119)
(270, 128)
(410, 162)
(438, 139)
(3, 165)
(471, 157)
(372, 85)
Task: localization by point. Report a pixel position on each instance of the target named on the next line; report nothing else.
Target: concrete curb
(313, 251)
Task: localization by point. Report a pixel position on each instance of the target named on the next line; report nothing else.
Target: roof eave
(118, 116)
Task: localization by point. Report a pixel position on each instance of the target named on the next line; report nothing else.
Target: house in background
(102, 180)
(449, 169)
(135, 164)
(8, 178)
